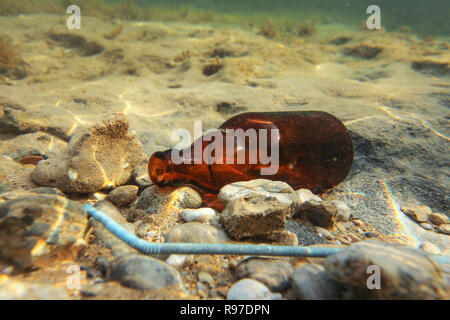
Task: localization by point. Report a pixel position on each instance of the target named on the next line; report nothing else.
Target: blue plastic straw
(150, 248)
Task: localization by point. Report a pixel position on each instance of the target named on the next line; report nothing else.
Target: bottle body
(306, 149)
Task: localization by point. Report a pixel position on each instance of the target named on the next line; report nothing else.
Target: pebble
(205, 277)
(344, 212)
(143, 273)
(198, 215)
(196, 232)
(153, 200)
(141, 177)
(258, 217)
(324, 233)
(306, 195)
(124, 195)
(275, 274)
(249, 289)
(311, 282)
(430, 248)
(438, 218)
(407, 273)
(426, 226)
(417, 213)
(444, 228)
(78, 169)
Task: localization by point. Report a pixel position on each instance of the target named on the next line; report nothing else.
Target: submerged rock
(322, 213)
(124, 195)
(406, 272)
(198, 215)
(275, 274)
(249, 289)
(255, 217)
(36, 229)
(311, 282)
(196, 232)
(143, 273)
(279, 190)
(101, 156)
(26, 290)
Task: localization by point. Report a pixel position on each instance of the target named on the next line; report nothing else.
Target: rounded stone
(438, 218)
(124, 195)
(249, 289)
(195, 232)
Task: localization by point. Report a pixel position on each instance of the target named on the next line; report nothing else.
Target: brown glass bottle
(314, 151)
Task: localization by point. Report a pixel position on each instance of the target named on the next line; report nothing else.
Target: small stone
(311, 282)
(417, 213)
(177, 260)
(321, 213)
(406, 272)
(255, 217)
(36, 229)
(143, 273)
(306, 195)
(438, 218)
(249, 289)
(281, 191)
(153, 200)
(344, 212)
(141, 177)
(426, 226)
(205, 277)
(13, 175)
(324, 233)
(195, 232)
(430, 248)
(444, 228)
(198, 215)
(305, 236)
(124, 195)
(102, 156)
(286, 238)
(275, 274)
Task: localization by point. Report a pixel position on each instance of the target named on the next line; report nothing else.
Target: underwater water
(89, 93)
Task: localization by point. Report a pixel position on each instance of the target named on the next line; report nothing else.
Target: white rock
(344, 211)
(258, 187)
(306, 195)
(177, 260)
(249, 289)
(198, 215)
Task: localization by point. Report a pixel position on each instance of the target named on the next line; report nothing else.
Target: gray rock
(311, 282)
(36, 229)
(26, 290)
(196, 232)
(143, 273)
(153, 200)
(198, 215)
(262, 217)
(106, 238)
(275, 274)
(281, 191)
(305, 236)
(321, 213)
(205, 277)
(324, 233)
(124, 195)
(101, 156)
(417, 213)
(249, 289)
(344, 212)
(406, 272)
